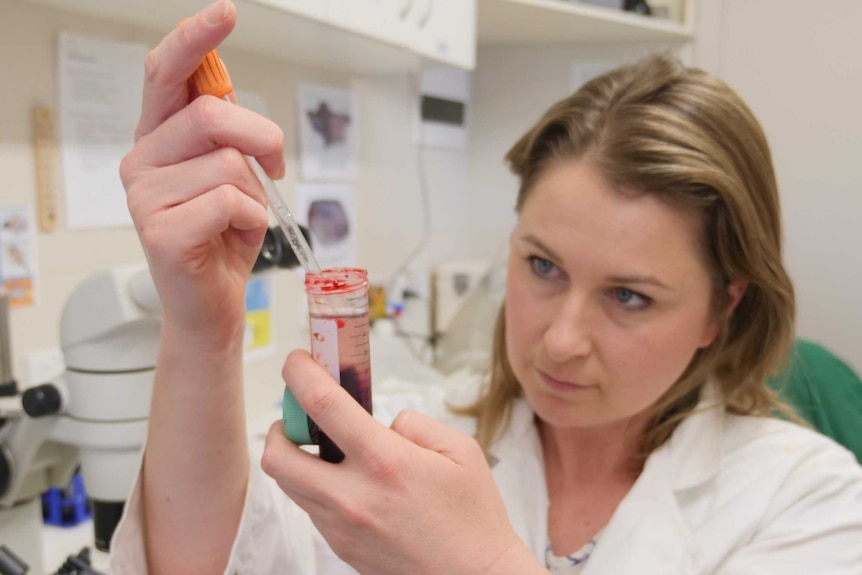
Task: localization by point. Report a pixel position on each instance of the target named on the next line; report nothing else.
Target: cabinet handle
(426, 16)
(406, 7)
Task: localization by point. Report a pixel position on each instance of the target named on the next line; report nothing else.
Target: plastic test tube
(338, 324)
(337, 301)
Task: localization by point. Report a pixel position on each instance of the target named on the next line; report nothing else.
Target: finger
(435, 436)
(169, 66)
(295, 470)
(207, 124)
(180, 183)
(332, 408)
(204, 218)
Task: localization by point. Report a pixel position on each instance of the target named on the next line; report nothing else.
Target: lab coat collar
(648, 532)
(693, 462)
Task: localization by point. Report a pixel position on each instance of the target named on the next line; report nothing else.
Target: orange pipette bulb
(211, 77)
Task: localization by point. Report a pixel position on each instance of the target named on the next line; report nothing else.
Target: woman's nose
(569, 334)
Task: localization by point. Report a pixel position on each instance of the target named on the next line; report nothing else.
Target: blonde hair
(660, 128)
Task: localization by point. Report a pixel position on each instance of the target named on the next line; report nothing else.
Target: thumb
(435, 436)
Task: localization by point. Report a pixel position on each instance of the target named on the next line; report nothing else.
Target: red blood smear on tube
(330, 284)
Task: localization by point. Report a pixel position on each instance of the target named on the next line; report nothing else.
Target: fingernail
(217, 12)
(282, 172)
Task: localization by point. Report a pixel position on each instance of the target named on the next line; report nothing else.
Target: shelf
(278, 29)
(526, 22)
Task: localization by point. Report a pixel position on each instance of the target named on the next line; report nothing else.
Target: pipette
(211, 79)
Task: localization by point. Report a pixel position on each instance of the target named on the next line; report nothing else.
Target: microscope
(95, 415)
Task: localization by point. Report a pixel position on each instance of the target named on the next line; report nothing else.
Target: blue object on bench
(66, 507)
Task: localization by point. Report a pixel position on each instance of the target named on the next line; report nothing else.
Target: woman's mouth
(561, 385)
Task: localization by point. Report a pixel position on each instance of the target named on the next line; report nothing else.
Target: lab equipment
(211, 79)
(78, 564)
(66, 507)
(466, 320)
(454, 282)
(338, 324)
(94, 416)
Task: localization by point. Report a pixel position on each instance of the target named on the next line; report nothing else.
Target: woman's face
(607, 299)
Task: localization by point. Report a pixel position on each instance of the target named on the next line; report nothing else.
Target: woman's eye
(542, 267)
(631, 299)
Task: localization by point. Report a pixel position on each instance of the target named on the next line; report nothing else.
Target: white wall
(798, 65)
(513, 87)
(388, 200)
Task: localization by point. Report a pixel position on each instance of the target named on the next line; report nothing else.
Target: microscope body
(94, 415)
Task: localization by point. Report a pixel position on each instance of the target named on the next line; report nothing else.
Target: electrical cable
(423, 194)
(413, 83)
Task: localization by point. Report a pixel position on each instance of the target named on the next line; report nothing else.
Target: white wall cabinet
(362, 36)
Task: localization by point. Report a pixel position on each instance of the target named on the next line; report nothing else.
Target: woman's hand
(197, 206)
(418, 498)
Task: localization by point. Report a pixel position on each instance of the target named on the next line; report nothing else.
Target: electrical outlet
(414, 287)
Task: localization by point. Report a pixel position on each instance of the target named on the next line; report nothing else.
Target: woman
(625, 427)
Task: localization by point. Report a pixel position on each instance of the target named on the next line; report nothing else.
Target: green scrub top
(825, 392)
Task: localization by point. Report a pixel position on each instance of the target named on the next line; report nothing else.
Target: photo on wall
(329, 212)
(18, 260)
(327, 133)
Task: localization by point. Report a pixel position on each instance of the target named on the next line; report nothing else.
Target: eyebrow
(628, 280)
(531, 239)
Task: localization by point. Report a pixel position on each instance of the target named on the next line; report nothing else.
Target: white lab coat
(726, 495)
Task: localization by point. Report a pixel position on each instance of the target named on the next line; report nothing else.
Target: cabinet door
(443, 30)
(378, 19)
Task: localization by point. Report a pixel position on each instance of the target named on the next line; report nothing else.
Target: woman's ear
(735, 291)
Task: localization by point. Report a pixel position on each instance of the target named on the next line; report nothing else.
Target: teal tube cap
(295, 420)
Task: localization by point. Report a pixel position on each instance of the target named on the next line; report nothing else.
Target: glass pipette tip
(211, 78)
(285, 220)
